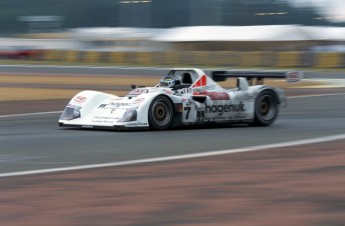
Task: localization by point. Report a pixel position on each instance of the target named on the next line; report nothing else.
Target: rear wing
(259, 76)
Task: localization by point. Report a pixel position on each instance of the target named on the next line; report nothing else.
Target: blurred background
(250, 33)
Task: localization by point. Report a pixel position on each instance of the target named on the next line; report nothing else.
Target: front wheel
(266, 108)
(161, 113)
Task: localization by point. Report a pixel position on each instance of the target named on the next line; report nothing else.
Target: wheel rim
(161, 112)
(267, 108)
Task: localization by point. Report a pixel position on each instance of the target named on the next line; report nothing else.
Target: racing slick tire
(161, 113)
(266, 108)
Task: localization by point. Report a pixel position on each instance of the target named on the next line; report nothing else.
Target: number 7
(188, 111)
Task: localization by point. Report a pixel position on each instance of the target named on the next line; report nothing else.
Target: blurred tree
(170, 13)
(155, 13)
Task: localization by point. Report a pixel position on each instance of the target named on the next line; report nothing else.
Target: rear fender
(279, 93)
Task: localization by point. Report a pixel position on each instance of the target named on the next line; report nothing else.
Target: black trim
(220, 76)
(118, 128)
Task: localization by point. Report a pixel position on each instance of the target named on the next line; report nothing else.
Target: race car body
(184, 97)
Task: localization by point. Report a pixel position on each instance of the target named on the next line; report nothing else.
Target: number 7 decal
(188, 111)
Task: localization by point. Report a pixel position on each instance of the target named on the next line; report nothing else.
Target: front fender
(84, 102)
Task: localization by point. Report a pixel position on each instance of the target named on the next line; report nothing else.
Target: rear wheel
(266, 108)
(161, 113)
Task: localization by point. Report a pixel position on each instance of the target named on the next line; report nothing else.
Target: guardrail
(201, 58)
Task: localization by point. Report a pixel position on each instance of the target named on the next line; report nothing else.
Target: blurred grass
(26, 94)
(79, 80)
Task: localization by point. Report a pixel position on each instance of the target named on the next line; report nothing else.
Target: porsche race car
(183, 97)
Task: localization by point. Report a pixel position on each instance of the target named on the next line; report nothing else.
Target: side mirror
(133, 86)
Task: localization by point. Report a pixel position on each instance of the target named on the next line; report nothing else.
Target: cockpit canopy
(178, 79)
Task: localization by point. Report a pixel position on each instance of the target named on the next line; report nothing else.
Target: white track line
(316, 95)
(177, 157)
(29, 114)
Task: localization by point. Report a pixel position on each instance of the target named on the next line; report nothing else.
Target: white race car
(184, 97)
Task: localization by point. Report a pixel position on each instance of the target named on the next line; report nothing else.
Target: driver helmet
(167, 81)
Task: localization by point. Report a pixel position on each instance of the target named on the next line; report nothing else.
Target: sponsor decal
(218, 95)
(103, 117)
(220, 109)
(80, 99)
(168, 91)
(138, 100)
(119, 104)
(113, 105)
(183, 99)
(294, 76)
(217, 118)
(127, 109)
(136, 124)
(102, 121)
(138, 91)
(77, 107)
(103, 106)
(115, 110)
(196, 90)
(186, 90)
(214, 95)
(87, 126)
(200, 92)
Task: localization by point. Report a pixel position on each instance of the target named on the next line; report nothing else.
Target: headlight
(70, 113)
(76, 113)
(129, 116)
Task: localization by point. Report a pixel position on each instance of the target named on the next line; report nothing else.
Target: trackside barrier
(117, 58)
(144, 58)
(330, 60)
(91, 57)
(251, 59)
(288, 59)
(50, 55)
(307, 59)
(291, 59)
(268, 59)
(72, 56)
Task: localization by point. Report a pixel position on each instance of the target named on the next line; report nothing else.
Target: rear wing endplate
(290, 76)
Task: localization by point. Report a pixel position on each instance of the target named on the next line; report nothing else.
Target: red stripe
(201, 81)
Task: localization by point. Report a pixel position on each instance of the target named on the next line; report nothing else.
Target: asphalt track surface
(34, 142)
